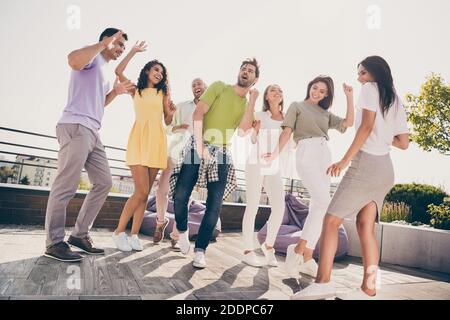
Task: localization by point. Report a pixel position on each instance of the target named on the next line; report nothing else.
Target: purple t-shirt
(87, 94)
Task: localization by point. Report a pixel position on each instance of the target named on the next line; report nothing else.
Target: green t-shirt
(310, 120)
(225, 112)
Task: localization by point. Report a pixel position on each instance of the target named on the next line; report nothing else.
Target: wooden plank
(102, 283)
(40, 297)
(110, 297)
(44, 275)
(221, 296)
(4, 284)
(123, 279)
(159, 273)
(19, 268)
(23, 286)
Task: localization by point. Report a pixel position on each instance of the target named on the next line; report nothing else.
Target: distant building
(4, 164)
(123, 185)
(39, 171)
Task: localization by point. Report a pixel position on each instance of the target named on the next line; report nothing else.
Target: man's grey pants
(79, 147)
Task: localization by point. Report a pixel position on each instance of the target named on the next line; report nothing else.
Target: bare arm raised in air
(247, 120)
(78, 59)
(350, 115)
(120, 69)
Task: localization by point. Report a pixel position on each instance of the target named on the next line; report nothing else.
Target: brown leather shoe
(61, 252)
(159, 230)
(174, 242)
(85, 244)
(174, 245)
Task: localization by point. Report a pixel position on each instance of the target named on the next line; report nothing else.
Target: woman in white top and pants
(380, 122)
(259, 173)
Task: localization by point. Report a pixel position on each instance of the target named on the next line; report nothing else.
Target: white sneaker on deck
(199, 260)
(121, 242)
(293, 261)
(135, 243)
(309, 267)
(316, 291)
(183, 242)
(271, 260)
(252, 260)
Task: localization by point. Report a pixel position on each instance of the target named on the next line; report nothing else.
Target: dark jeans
(186, 181)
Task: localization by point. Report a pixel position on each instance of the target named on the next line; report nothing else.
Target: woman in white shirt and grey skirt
(381, 122)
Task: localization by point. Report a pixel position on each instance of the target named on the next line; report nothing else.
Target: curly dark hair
(142, 82)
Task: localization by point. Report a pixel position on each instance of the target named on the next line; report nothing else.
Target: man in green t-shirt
(206, 160)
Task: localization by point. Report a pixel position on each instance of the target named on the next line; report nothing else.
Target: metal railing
(31, 155)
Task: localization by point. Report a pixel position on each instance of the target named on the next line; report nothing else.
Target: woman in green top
(310, 121)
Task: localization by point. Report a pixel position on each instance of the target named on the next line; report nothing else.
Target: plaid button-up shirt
(208, 170)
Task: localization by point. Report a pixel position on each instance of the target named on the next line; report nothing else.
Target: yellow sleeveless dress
(147, 143)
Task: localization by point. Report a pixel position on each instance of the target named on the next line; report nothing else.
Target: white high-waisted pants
(273, 185)
(312, 161)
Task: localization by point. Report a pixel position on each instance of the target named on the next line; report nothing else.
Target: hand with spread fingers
(107, 42)
(336, 168)
(125, 87)
(139, 47)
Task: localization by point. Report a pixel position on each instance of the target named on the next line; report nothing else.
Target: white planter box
(408, 246)
(418, 247)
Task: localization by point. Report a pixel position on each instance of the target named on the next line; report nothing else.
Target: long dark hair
(266, 105)
(326, 102)
(381, 73)
(143, 78)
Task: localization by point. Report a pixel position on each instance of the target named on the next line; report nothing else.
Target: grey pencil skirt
(368, 179)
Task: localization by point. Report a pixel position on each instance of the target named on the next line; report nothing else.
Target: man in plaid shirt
(206, 160)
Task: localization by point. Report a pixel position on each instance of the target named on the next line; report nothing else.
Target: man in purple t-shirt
(80, 145)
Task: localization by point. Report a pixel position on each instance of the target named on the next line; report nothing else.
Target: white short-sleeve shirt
(267, 140)
(386, 127)
(178, 140)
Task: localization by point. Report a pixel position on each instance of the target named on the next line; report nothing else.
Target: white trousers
(273, 186)
(312, 161)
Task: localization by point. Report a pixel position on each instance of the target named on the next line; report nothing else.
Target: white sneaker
(309, 267)
(183, 242)
(293, 261)
(135, 243)
(356, 294)
(121, 242)
(199, 260)
(252, 260)
(270, 256)
(316, 291)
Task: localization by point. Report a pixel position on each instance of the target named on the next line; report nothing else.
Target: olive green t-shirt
(309, 120)
(225, 112)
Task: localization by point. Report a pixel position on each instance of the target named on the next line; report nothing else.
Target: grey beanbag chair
(291, 228)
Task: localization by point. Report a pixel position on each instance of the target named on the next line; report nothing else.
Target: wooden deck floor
(159, 273)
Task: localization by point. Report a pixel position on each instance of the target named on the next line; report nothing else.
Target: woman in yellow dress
(147, 146)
